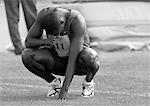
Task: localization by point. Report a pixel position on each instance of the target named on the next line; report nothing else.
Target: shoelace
(57, 90)
(87, 87)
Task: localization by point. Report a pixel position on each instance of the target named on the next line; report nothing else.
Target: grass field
(123, 80)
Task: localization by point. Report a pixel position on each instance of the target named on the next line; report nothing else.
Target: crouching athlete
(65, 51)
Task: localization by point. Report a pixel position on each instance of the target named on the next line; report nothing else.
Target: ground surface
(123, 78)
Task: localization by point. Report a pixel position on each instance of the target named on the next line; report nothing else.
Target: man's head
(54, 23)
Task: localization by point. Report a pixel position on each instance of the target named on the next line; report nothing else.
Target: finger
(51, 37)
(50, 40)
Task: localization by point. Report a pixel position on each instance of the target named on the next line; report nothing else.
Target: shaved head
(53, 22)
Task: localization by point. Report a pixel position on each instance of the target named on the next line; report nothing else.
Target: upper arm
(78, 30)
(78, 26)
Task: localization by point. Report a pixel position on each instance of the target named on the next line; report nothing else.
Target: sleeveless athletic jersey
(62, 43)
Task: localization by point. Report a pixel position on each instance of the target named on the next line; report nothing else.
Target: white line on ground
(97, 91)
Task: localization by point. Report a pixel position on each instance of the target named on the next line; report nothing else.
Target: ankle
(88, 82)
(50, 79)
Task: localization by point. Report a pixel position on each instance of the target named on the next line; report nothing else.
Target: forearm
(68, 76)
(70, 70)
(34, 43)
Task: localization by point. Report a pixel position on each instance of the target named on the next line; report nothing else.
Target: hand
(51, 37)
(63, 95)
(48, 42)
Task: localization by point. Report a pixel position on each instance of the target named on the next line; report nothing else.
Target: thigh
(57, 64)
(38, 55)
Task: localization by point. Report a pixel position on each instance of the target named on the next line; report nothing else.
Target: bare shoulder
(41, 15)
(78, 25)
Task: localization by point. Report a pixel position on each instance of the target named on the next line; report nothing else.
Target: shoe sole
(87, 96)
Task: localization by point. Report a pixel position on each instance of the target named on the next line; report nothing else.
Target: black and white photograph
(74, 52)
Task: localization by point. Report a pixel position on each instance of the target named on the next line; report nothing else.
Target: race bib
(62, 44)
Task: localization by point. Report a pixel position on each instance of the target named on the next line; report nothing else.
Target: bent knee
(27, 56)
(88, 59)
